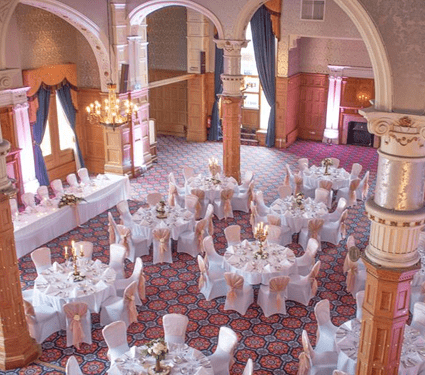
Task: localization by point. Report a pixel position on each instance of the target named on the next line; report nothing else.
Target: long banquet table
(35, 229)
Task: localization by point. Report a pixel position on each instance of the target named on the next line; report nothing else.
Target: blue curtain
(38, 131)
(64, 94)
(264, 51)
(214, 131)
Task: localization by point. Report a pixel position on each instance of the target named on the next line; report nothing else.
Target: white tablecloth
(32, 230)
(347, 342)
(339, 176)
(56, 286)
(212, 190)
(240, 259)
(295, 217)
(178, 220)
(181, 358)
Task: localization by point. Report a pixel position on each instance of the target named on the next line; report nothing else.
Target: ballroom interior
(255, 86)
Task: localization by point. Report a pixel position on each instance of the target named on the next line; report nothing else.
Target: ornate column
(231, 104)
(331, 134)
(397, 215)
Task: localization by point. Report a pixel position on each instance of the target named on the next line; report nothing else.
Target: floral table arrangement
(158, 349)
(327, 162)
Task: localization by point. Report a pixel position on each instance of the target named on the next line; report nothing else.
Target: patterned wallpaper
(167, 32)
(45, 39)
(315, 54)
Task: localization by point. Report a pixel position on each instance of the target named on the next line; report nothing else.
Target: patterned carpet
(273, 343)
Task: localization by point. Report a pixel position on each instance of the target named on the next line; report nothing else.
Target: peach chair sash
(30, 318)
(162, 235)
(354, 184)
(274, 220)
(314, 227)
(350, 243)
(198, 207)
(172, 193)
(313, 275)
(130, 302)
(343, 225)
(235, 282)
(254, 214)
(250, 193)
(278, 285)
(203, 268)
(210, 225)
(74, 313)
(423, 288)
(199, 234)
(29, 309)
(365, 186)
(226, 196)
(304, 365)
(351, 276)
(298, 183)
(325, 184)
(142, 286)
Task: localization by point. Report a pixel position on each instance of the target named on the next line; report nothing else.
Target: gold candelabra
(327, 162)
(74, 255)
(260, 233)
(213, 166)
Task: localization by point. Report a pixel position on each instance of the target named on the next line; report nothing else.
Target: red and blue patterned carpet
(273, 343)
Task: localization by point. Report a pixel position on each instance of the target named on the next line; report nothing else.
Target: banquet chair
(305, 262)
(118, 233)
(349, 193)
(263, 210)
(42, 259)
(153, 199)
(356, 275)
(202, 201)
(215, 261)
(274, 233)
(341, 206)
(188, 172)
(192, 242)
(28, 295)
(242, 201)
(72, 367)
(418, 317)
(78, 324)
(162, 245)
(14, 210)
(303, 288)
(72, 180)
(87, 248)
(172, 179)
(116, 259)
(312, 363)
(326, 184)
(83, 173)
(222, 358)
(271, 298)
(335, 231)
(335, 162)
(28, 199)
(240, 295)
(322, 195)
(313, 230)
(175, 196)
(223, 206)
(115, 335)
(42, 321)
(120, 308)
(289, 177)
(249, 368)
(326, 330)
(175, 326)
(192, 204)
(356, 168)
(284, 191)
(233, 234)
(137, 241)
(43, 194)
(211, 281)
(285, 232)
(302, 164)
(248, 177)
(137, 276)
(359, 304)
(363, 188)
(209, 219)
(57, 188)
(298, 184)
(255, 217)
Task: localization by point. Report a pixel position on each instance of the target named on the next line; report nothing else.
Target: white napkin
(133, 351)
(50, 290)
(57, 267)
(101, 285)
(230, 250)
(287, 213)
(234, 259)
(108, 273)
(144, 223)
(187, 215)
(269, 268)
(97, 265)
(322, 211)
(73, 293)
(245, 243)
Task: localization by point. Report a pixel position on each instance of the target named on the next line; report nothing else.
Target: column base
(18, 357)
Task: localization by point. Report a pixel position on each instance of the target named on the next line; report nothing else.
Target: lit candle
(66, 251)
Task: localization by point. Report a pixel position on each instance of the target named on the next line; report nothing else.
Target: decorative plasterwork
(7, 8)
(402, 134)
(13, 96)
(10, 78)
(88, 28)
(352, 71)
(231, 47)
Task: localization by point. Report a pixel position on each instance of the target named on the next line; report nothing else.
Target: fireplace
(358, 135)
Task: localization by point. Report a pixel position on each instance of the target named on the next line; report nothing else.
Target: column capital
(402, 134)
(231, 47)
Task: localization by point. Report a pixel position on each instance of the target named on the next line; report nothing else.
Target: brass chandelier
(111, 114)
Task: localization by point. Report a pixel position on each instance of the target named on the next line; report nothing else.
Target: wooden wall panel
(251, 118)
(197, 109)
(352, 88)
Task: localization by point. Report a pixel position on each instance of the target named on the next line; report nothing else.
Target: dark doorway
(358, 134)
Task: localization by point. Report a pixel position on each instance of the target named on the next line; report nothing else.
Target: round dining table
(339, 177)
(212, 186)
(296, 217)
(181, 359)
(347, 343)
(241, 259)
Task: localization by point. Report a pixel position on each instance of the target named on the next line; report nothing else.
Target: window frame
(312, 10)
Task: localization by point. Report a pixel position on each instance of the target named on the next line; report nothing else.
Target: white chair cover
(242, 201)
(72, 367)
(211, 283)
(263, 210)
(356, 168)
(175, 328)
(192, 204)
(162, 245)
(418, 319)
(72, 180)
(337, 372)
(335, 162)
(83, 173)
(192, 242)
(118, 234)
(28, 199)
(313, 230)
(322, 195)
(334, 232)
(57, 188)
(249, 368)
(222, 357)
(349, 193)
(78, 324)
(284, 191)
(240, 295)
(209, 218)
(363, 188)
(359, 303)
(302, 164)
(303, 288)
(342, 205)
(215, 260)
(214, 169)
(299, 181)
(42, 259)
(325, 329)
(188, 172)
(246, 180)
(43, 194)
(305, 262)
(115, 335)
(116, 259)
(232, 234)
(137, 276)
(201, 206)
(271, 298)
(87, 248)
(223, 206)
(274, 233)
(153, 199)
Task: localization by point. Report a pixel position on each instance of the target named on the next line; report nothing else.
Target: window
(312, 9)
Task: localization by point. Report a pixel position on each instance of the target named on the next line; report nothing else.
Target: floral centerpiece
(327, 162)
(160, 209)
(299, 201)
(158, 349)
(69, 200)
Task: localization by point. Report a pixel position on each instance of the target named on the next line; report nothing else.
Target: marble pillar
(397, 216)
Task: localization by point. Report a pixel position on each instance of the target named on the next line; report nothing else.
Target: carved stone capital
(231, 47)
(402, 134)
(13, 96)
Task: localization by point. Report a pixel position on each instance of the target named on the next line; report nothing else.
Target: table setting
(339, 176)
(347, 341)
(211, 185)
(171, 358)
(296, 211)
